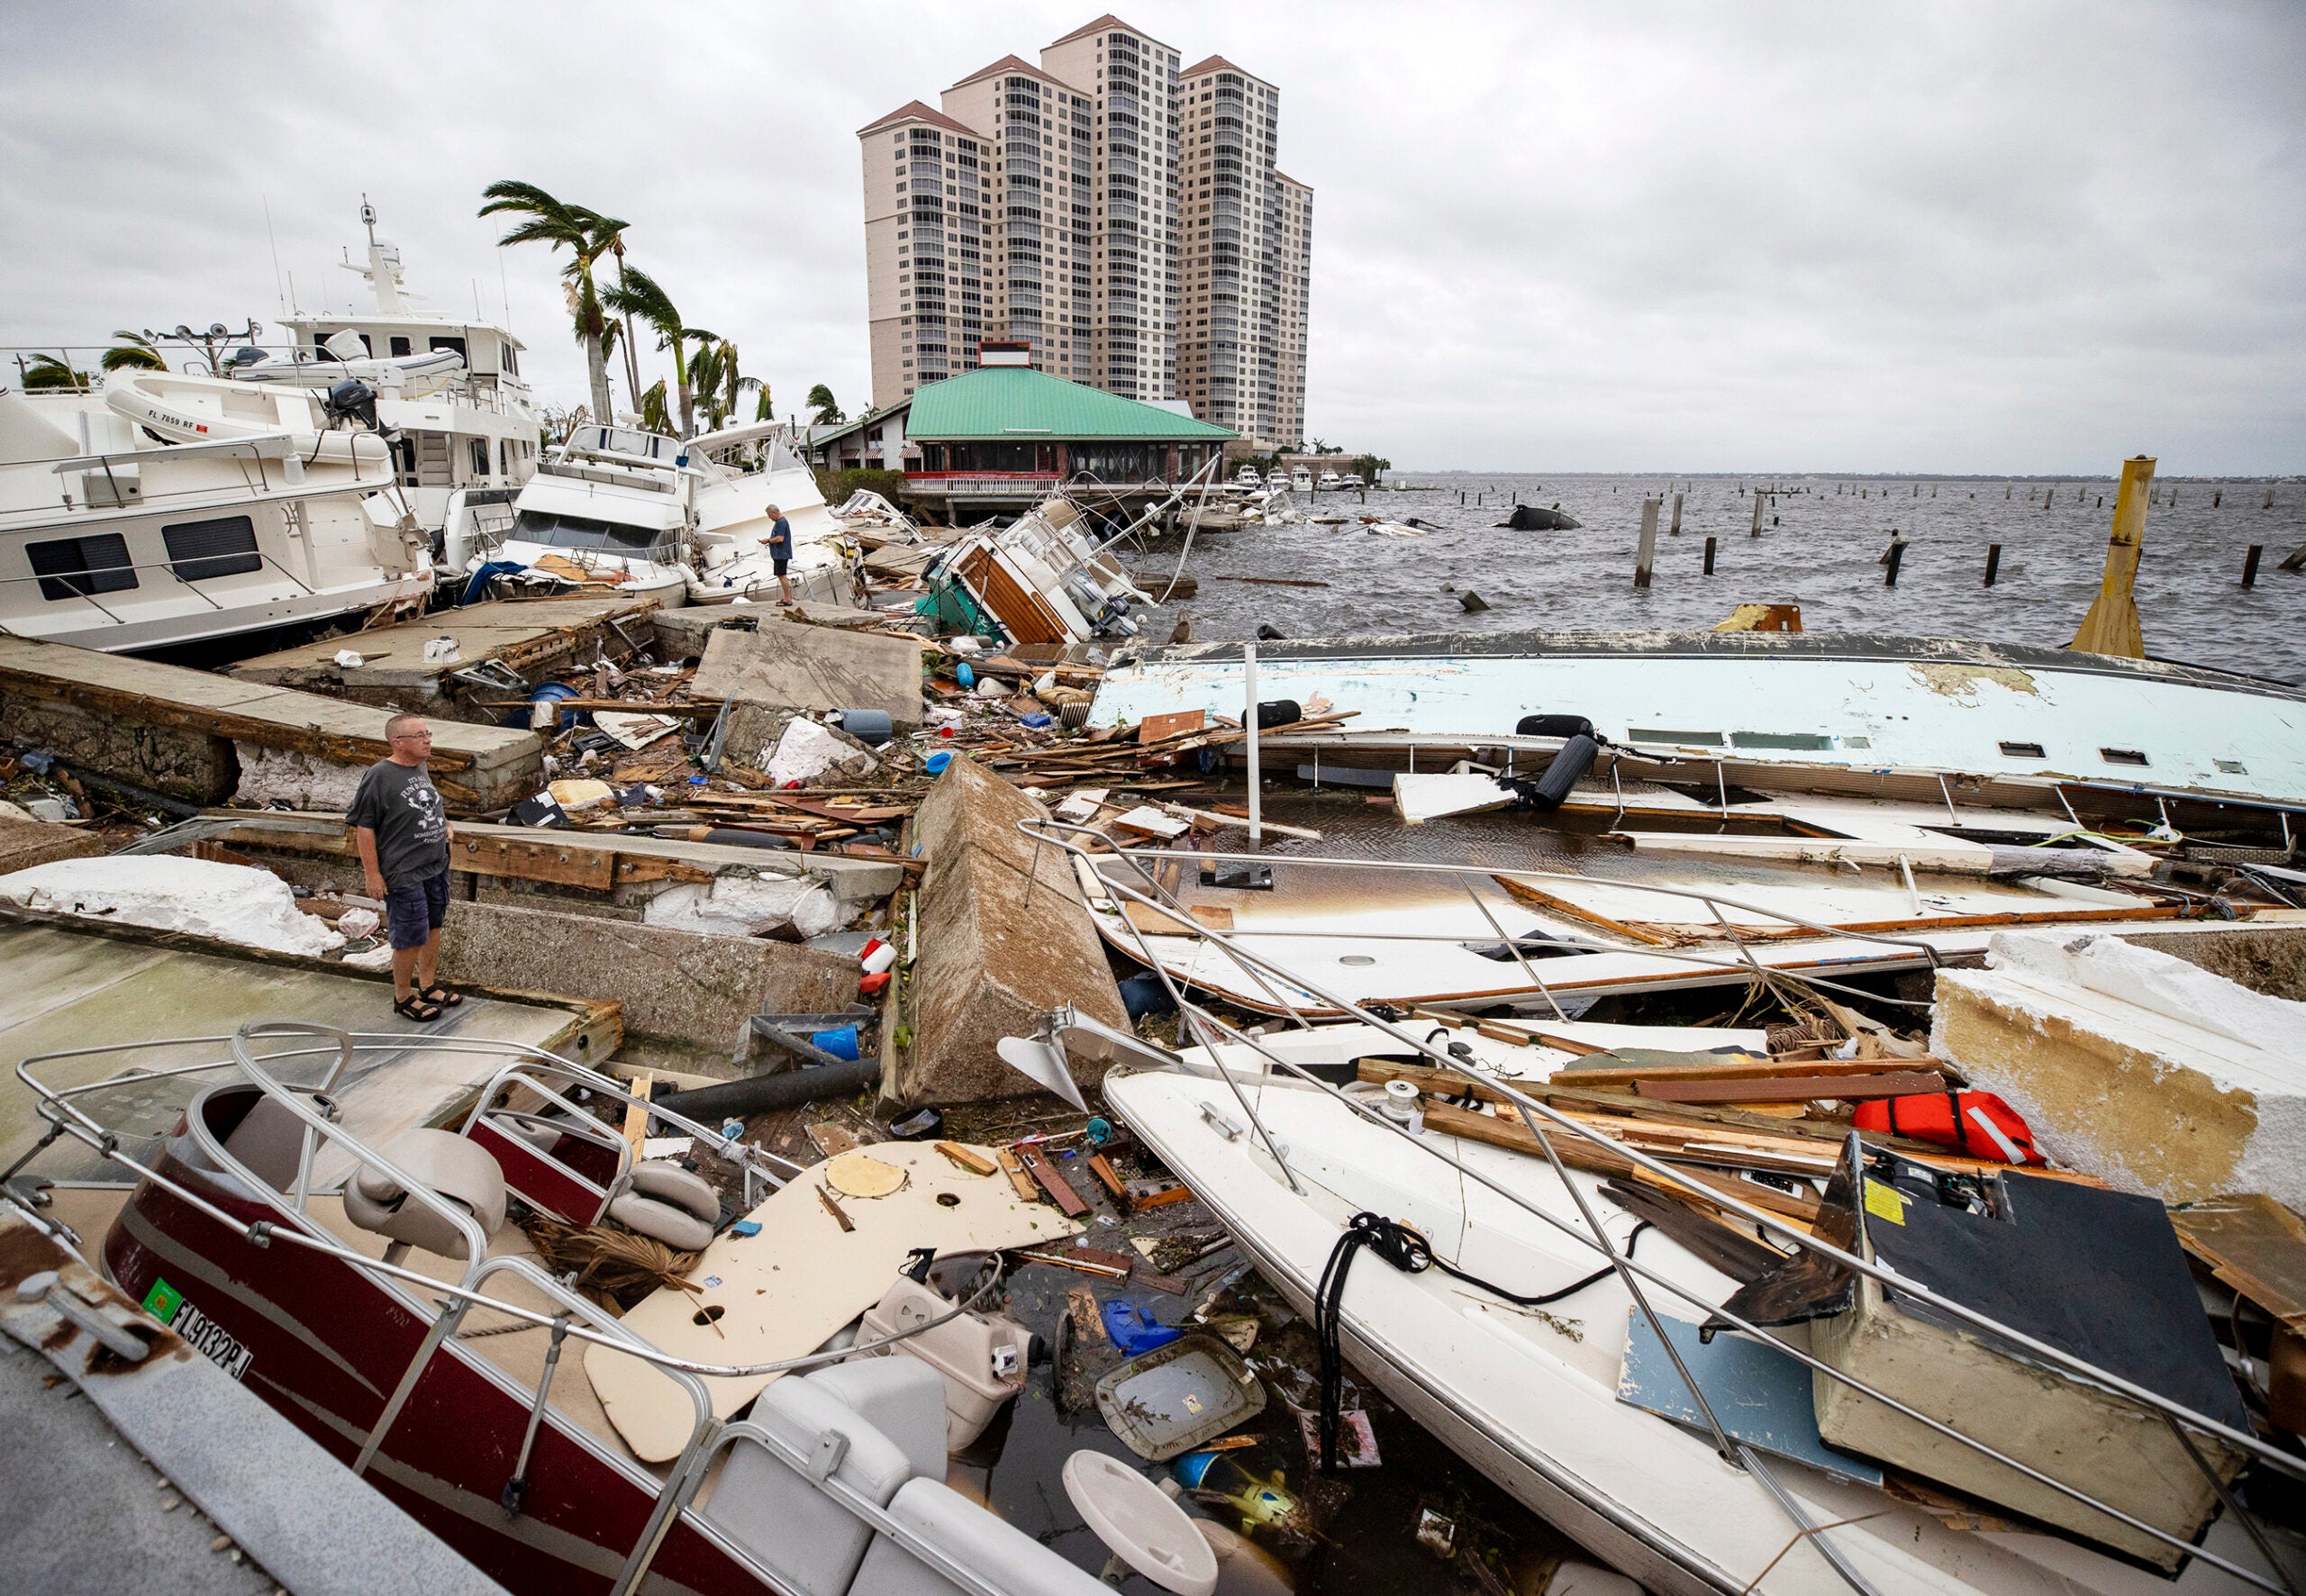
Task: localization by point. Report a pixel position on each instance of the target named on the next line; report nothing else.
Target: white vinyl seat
(903, 1398)
(674, 1205)
(458, 1170)
(999, 1553)
(811, 1544)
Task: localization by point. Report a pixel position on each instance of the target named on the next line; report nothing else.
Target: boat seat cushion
(458, 1170)
(999, 1552)
(903, 1398)
(675, 1205)
(811, 1543)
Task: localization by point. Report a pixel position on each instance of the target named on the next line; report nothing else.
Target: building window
(224, 547)
(75, 568)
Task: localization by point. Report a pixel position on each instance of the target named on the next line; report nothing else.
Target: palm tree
(637, 293)
(652, 409)
(713, 372)
(586, 235)
(134, 352)
(828, 409)
(46, 372)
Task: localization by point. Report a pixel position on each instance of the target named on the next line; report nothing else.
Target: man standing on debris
(402, 832)
(780, 550)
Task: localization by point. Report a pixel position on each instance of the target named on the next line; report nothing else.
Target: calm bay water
(1821, 553)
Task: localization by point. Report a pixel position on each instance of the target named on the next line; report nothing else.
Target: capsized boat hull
(1787, 707)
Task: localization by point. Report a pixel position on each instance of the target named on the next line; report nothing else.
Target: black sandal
(442, 997)
(417, 1009)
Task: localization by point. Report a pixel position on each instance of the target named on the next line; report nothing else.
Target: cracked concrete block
(683, 986)
(1003, 938)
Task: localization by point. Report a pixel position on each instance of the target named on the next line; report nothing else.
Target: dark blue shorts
(415, 911)
(779, 562)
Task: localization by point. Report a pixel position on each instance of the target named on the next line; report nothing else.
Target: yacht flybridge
(449, 386)
(176, 509)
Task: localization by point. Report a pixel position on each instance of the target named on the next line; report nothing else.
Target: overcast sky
(1640, 237)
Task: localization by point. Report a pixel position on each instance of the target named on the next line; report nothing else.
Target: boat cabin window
(504, 357)
(223, 547)
(403, 449)
(2023, 750)
(2231, 766)
(399, 345)
(75, 568)
(2122, 756)
(479, 448)
(442, 341)
(579, 531)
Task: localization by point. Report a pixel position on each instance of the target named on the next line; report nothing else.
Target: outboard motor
(353, 400)
(1554, 726)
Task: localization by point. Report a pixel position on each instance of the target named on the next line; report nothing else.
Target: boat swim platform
(71, 984)
(186, 733)
(531, 637)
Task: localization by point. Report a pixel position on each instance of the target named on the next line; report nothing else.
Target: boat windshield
(582, 531)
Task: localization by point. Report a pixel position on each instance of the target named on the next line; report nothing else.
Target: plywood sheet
(813, 667)
(782, 1293)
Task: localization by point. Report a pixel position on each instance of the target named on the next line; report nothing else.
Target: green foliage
(653, 414)
(134, 352)
(826, 408)
(837, 485)
(47, 373)
(1370, 466)
(586, 235)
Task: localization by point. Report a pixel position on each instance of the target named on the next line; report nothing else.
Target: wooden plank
(1052, 1180)
(969, 1158)
(1594, 1104)
(1100, 1167)
(2255, 1245)
(1793, 1088)
(1524, 892)
(1759, 1069)
(834, 1209)
(1014, 1168)
(562, 863)
(636, 1116)
(1154, 727)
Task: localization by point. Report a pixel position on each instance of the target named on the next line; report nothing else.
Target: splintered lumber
(1102, 1167)
(1088, 1260)
(1823, 1069)
(1522, 892)
(2255, 1245)
(969, 1158)
(1014, 1168)
(1792, 1088)
(1611, 1103)
(1052, 1181)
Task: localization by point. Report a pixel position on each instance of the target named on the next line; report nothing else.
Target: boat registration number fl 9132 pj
(203, 1334)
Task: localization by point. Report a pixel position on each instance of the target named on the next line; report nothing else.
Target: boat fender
(1554, 726)
(1567, 767)
(1279, 711)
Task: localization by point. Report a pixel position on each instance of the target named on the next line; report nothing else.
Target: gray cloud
(1963, 238)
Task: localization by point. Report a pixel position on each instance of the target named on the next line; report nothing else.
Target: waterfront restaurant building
(1004, 437)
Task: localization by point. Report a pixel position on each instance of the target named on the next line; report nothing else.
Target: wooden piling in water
(1993, 563)
(2269, 503)
(1675, 529)
(1647, 552)
(2250, 565)
(2294, 560)
(2217, 498)
(1891, 560)
(1758, 515)
(1708, 555)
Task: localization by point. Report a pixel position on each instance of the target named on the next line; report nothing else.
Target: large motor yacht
(174, 509)
(616, 507)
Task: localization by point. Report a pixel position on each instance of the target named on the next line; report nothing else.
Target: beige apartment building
(1047, 204)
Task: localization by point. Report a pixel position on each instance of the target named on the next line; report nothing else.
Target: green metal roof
(1016, 403)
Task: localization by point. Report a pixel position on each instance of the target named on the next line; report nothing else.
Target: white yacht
(1248, 476)
(449, 386)
(171, 508)
(1330, 481)
(1301, 481)
(1351, 479)
(649, 514)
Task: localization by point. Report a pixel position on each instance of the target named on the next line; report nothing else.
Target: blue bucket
(935, 763)
(840, 1042)
(549, 693)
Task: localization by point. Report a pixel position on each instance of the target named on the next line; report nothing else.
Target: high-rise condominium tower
(1125, 221)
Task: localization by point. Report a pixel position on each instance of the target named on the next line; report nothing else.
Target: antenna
(274, 243)
(369, 220)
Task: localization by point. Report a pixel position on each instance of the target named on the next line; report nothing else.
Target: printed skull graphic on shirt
(431, 819)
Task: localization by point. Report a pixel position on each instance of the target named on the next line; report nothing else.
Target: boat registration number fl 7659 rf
(203, 1334)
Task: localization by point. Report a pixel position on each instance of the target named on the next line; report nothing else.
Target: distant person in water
(780, 551)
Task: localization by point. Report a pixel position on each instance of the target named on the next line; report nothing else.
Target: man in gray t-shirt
(402, 830)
